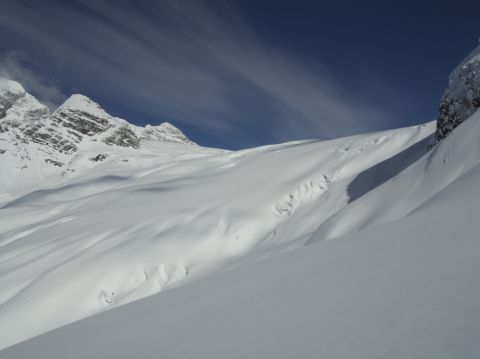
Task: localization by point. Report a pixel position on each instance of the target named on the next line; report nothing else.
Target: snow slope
(406, 289)
(411, 188)
(146, 219)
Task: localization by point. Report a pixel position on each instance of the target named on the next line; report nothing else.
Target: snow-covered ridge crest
(86, 107)
(83, 103)
(76, 109)
(36, 144)
(165, 132)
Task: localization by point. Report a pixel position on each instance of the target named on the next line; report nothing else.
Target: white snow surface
(411, 188)
(406, 287)
(145, 220)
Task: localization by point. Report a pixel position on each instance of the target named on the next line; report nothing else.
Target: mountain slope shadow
(69, 192)
(383, 171)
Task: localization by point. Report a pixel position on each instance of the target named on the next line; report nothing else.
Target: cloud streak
(12, 67)
(196, 62)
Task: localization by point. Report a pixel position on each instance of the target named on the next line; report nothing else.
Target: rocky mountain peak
(82, 115)
(165, 132)
(81, 103)
(36, 143)
(17, 107)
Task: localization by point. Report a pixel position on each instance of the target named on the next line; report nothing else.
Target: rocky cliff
(462, 96)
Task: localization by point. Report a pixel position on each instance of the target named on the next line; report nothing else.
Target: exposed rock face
(85, 117)
(17, 107)
(10, 92)
(165, 132)
(80, 121)
(47, 134)
(124, 137)
(99, 158)
(77, 120)
(462, 96)
(53, 162)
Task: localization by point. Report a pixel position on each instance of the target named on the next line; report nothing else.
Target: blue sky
(236, 74)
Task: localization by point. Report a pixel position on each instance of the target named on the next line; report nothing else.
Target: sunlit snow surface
(144, 220)
(405, 286)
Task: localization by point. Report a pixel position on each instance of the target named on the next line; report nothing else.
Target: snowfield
(146, 220)
(409, 288)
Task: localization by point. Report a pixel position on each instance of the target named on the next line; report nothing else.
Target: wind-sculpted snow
(140, 221)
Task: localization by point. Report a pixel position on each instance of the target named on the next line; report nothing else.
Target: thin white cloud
(197, 62)
(12, 67)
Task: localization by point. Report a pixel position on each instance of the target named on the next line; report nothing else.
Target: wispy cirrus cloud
(196, 62)
(12, 67)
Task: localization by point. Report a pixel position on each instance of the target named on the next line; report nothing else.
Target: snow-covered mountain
(36, 145)
(363, 246)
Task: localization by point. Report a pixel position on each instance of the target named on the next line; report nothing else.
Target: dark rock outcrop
(461, 98)
(80, 121)
(124, 137)
(99, 158)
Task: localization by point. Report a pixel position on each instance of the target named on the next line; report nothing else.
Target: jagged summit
(35, 142)
(78, 113)
(165, 132)
(18, 106)
(84, 116)
(83, 103)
